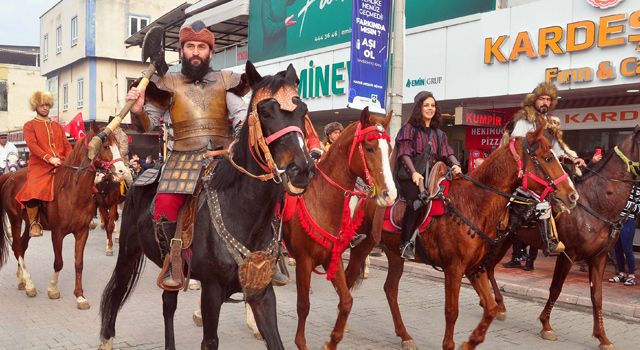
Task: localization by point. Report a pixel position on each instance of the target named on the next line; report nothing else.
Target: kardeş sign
(478, 117)
(614, 117)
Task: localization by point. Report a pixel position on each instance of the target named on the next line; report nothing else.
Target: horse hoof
(53, 294)
(326, 346)
(31, 292)
(501, 316)
(548, 335)
(365, 275)
(607, 347)
(107, 344)
(197, 318)
(409, 345)
(109, 252)
(465, 346)
(194, 285)
(258, 336)
(21, 285)
(82, 303)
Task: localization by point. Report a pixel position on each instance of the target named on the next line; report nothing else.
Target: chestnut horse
(71, 210)
(605, 189)
(322, 226)
(108, 198)
(233, 192)
(452, 243)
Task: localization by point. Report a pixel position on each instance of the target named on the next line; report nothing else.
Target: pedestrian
(331, 132)
(624, 245)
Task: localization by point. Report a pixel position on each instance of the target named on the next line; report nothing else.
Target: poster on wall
(369, 55)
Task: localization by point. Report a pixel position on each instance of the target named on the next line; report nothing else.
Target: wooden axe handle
(96, 141)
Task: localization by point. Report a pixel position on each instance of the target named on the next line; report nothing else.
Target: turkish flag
(75, 128)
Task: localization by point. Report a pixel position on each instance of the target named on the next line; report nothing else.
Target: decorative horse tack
(255, 269)
(550, 185)
(258, 145)
(349, 225)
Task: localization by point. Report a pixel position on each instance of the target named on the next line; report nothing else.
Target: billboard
(285, 27)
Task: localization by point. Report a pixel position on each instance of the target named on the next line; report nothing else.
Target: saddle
(393, 215)
(180, 245)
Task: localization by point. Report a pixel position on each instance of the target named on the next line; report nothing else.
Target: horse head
(544, 173)
(274, 128)
(108, 160)
(369, 148)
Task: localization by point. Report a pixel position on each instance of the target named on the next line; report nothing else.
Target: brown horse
(457, 247)
(322, 226)
(604, 189)
(108, 198)
(70, 212)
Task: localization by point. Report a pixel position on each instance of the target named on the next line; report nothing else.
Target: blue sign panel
(369, 54)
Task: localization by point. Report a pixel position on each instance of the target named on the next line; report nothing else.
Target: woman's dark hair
(416, 115)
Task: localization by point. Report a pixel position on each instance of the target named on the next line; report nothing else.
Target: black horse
(279, 113)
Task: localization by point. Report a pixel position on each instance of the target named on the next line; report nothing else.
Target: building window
(45, 47)
(74, 31)
(3, 95)
(58, 39)
(136, 23)
(65, 97)
(80, 93)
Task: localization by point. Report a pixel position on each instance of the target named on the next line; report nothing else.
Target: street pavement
(40, 323)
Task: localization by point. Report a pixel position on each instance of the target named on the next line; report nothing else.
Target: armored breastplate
(199, 113)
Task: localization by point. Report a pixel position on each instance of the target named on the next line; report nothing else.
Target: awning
(227, 19)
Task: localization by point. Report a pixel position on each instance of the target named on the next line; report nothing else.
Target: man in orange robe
(48, 148)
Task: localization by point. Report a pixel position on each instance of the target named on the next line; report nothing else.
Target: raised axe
(152, 49)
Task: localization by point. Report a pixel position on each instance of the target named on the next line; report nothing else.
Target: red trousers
(168, 205)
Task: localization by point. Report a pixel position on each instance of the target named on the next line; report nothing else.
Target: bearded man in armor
(536, 110)
(202, 108)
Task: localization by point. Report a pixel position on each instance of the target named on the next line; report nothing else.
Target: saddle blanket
(393, 215)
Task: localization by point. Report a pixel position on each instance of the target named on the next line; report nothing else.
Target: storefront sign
(479, 137)
(323, 80)
(608, 31)
(478, 117)
(369, 54)
(615, 117)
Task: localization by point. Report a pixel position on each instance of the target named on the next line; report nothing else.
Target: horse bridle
(550, 184)
(259, 148)
(374, 132)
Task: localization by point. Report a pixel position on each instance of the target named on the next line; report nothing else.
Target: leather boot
(281, 276)
(35, 229)
(550, 246)
(173, 276)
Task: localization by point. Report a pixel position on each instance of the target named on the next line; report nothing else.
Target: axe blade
(153, 49)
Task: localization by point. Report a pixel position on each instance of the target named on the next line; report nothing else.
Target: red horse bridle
(550, 185)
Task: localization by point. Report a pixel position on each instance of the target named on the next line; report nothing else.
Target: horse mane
(226, 174)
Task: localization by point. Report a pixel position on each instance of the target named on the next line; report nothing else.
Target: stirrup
(558, 249)
(35, 229)
(357, 239)
(407, 250)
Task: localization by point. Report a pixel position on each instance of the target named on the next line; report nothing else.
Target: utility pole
(397, 67)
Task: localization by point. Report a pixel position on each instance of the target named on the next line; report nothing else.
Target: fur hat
(197, 31)
(331, 127)
(40, 98)
(543, 89)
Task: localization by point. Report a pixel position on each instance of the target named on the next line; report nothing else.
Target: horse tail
(4, 246)
(125, 274)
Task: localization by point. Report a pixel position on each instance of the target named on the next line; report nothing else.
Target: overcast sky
(20, 21)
